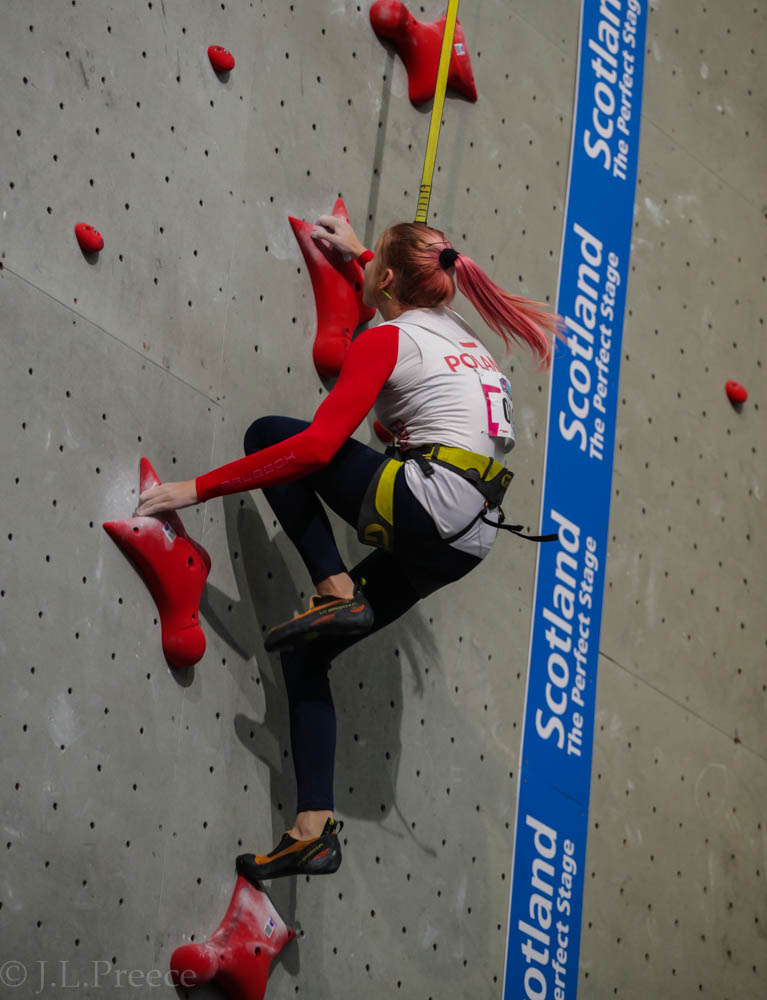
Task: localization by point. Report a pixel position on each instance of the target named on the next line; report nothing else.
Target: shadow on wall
(366, 680)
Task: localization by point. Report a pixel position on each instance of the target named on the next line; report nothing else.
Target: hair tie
(447, 258)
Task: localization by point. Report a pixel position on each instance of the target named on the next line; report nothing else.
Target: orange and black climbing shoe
(321, 856)
(327, 615)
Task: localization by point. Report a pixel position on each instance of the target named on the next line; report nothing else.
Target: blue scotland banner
(555, 763)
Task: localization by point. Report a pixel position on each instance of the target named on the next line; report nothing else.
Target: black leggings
(420, 563)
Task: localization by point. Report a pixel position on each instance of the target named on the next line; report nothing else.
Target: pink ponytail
(512, 317)
(412, 250)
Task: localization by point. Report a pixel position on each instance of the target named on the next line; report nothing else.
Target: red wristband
(365, 257)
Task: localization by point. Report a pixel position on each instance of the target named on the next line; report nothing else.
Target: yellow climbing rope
(424, 194)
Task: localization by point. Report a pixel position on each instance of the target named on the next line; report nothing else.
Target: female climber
(430, 506)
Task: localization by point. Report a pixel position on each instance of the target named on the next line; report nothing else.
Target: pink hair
(412, 250)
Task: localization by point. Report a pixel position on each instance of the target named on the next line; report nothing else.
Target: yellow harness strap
(376, 518)
(494, 476)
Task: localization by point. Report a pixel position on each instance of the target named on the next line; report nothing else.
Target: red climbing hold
(736, 392)
(174, 568)
(337, 285)
(420, 45)
(90, 239)
(239, 953)
(221, 60)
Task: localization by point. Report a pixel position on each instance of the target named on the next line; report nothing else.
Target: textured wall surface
(128, 789)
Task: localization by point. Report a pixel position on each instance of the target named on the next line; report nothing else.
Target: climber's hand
(166, 497)
(338, 233)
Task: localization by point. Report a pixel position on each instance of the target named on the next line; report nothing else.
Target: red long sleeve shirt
(368, 364)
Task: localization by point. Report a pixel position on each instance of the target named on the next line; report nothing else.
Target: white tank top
(447, 388)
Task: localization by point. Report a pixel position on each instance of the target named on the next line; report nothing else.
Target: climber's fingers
(337, 232)
(167, 497)
(329, 222)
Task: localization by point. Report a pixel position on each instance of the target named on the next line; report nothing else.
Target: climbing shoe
(321, 856)
(327, 615)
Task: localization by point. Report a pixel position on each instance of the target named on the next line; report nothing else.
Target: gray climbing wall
(127, 789)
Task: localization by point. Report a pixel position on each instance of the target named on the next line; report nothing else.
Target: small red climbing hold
(221, 60)
(736, 392)
(90, 239)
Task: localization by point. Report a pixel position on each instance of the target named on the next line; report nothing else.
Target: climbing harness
(376, 518)
(424, 195)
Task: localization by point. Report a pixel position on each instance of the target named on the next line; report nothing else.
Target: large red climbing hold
(735, 392)
(337, 285)
(221, 60)
(89, 239)
(420, 45)
(174, 568)
(239, 953)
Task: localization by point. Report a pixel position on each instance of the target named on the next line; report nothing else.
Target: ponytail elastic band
(447, 258)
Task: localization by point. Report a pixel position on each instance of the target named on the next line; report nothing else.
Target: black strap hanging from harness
(515, 529)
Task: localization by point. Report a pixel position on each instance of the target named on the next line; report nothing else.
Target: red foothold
(239, 954)
(90, 239)
(221, 60)
(736, 392)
